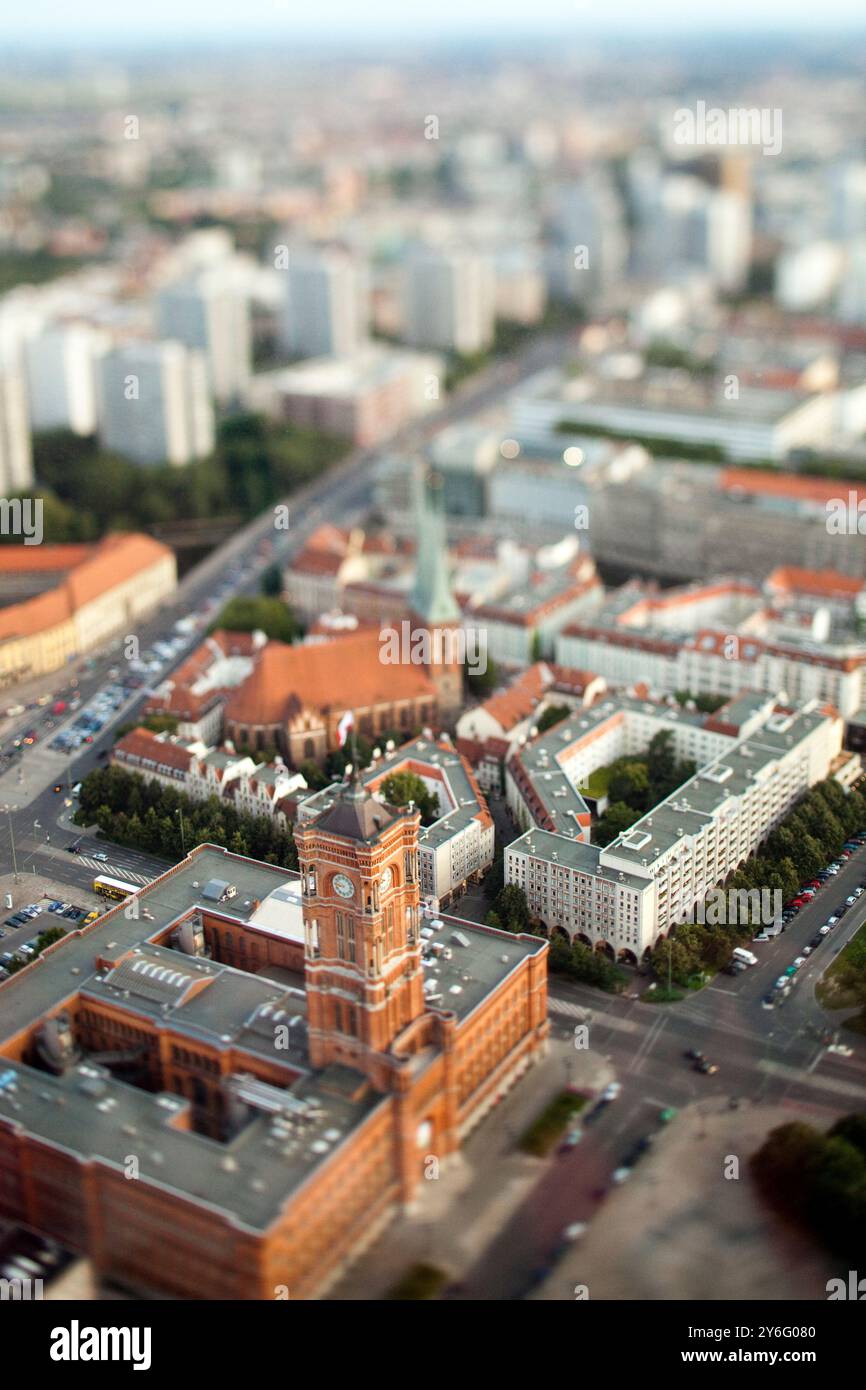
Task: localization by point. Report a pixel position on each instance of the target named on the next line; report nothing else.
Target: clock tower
(362, 943)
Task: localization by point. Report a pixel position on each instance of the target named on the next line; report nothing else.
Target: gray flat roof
(89, 1112)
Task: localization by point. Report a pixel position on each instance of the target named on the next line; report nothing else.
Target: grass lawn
(662, 995)
(598, 782)
(548, 1128)
(842, 984)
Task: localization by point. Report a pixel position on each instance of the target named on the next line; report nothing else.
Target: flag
(345, 724)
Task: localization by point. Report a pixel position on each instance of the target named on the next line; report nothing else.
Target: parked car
(612, 1091)
(571, 1140)
(768, 1002)
(693, 1055)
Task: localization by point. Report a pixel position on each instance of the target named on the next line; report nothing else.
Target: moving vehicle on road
(108, 887)
(571, 1140)
(747, 957)
(706, 1067)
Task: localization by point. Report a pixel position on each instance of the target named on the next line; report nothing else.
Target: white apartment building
(16, 456)
(327, 304)
(686, 225)
(589, 249)
(718, 662)
(154, 403)
(623, 898)
(61, 363)
(450, 301)
(210, 313)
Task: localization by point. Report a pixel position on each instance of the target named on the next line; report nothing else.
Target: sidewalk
(457, 1215)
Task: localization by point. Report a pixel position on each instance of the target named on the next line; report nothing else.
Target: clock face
(344, 886)
(385, 881)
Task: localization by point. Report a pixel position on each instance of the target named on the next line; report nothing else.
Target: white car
(781, 982)
(799, 962)
(621, 1175)
(841, 1050)
(612, 1091)
(575, 1231)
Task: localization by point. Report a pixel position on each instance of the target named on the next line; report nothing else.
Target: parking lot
(38, 905)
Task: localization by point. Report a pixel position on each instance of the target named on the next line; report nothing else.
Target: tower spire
(432, 598)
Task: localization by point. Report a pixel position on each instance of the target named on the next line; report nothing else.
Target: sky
(46, 23)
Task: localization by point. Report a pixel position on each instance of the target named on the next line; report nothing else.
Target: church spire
(432, 598)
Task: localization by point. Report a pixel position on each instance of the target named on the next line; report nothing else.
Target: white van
(747, 957)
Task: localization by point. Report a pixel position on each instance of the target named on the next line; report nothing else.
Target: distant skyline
(103, 20)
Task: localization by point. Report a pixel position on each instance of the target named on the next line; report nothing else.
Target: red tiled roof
(343, 674)
(141, 744)
(106, 565)
(759, 481)
(820, 583)
(33, 559)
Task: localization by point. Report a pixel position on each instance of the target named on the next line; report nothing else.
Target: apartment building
(488, 733)
(326, 309)
(154, 403)
(254, 789)
(16, 455)
(719, 662)
(623, 898)
(450, 301)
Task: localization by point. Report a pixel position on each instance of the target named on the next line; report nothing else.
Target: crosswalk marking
(598, 1020)
(824, 1083)
(114, 870)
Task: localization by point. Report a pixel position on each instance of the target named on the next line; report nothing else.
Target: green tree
(511, 908)
(552, 715)
(631, 784)
(617, 818)
(483, 683)
(402, 787)
(249, 614)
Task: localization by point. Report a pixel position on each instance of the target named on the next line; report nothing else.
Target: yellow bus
(113, 887)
